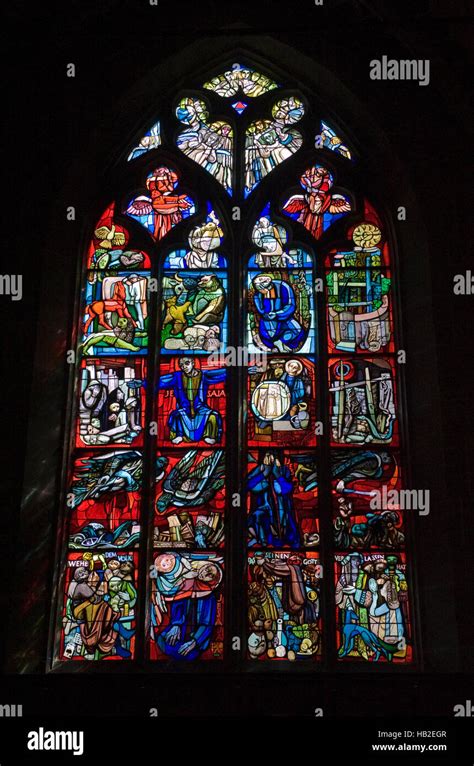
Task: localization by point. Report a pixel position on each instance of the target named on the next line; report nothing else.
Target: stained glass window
(237, 448)
(318, 207)
(209, 144)
(162, 207)
(327, 139)
(240, 79)
(150, 140)
(270, 142)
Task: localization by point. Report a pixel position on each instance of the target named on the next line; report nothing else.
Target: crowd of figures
(284, 606)
(372, 602)
(99, 614)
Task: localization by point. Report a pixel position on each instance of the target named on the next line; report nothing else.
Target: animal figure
(101, 307)
(352, 629)
(194, 337)
(106, 474)
(175, 314)
(95, 535)
(109, 237)
(212, 342)
(192, 482)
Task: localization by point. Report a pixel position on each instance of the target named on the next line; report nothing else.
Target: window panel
(109, 246)
(240, 107)
(282, 499)
(318, 207)
(189, 499)
(365, 499)
(191, 402)
(327, 139)
(115, 313)
(281, 402)
(162, 206)
(194, 311)
(209, 144)
(151, 140)
(98, 613)
(111, 402)
(203, 252)
(362, 404)
(187, 606)
(359, 310)
(284, 606)
(372, 608)
(268, 143)
(242, 78)
(105, 499)
(281, 311)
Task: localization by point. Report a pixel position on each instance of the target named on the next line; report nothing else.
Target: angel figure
(208, 144)
(317, 201)
(162, 209)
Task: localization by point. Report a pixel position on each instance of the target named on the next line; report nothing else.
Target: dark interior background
(60, 137)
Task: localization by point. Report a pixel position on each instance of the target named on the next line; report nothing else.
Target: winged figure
(310, 208)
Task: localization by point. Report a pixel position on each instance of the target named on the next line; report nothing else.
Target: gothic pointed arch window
(234, 460)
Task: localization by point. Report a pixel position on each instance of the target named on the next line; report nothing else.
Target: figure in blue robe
(193, 419)
(275, 303)
(272, 521)
(190, 627)
(189, 590)
(296, 387)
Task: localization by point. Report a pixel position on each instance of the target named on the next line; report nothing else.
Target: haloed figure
(185, 590)
(276, 304)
